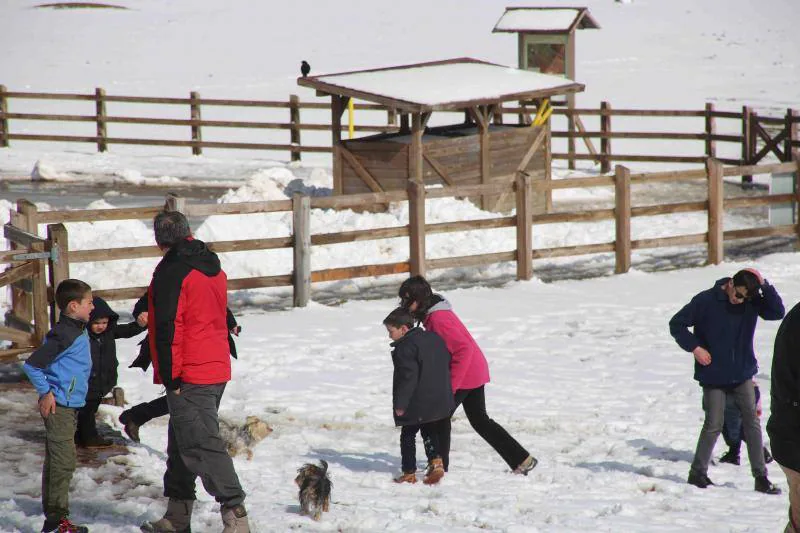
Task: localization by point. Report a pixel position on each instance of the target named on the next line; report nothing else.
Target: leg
(793, 478)
(59, 462)
(408, 448)
(745, 398)
(87, 424)
(442, 438)
(144, 412)
(193, 417)
(732, 426)
(493, 433)
(714, 406)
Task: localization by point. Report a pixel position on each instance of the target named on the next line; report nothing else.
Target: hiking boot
(731, 456)
(767, 456)
(176, 519)
(119, 396)
(526, 466)
(95, 441)
(406, 477)
(131, 428)
(235, 519)
(63, 526)
(699, 480)
(763, 485)
(434, 472)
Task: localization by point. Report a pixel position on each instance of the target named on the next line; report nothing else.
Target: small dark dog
(315, 489)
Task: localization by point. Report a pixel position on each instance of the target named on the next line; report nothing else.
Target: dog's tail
(324, 464)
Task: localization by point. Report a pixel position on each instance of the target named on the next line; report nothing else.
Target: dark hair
(748, 280)
(398, 318)
(70, 290)
(416, 289)
(170, 228)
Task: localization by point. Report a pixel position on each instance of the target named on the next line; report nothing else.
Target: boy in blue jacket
(59, 371)
(724, 319)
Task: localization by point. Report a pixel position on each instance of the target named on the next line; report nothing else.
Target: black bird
(305, 68)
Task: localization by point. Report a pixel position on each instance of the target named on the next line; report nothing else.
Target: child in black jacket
(422, 397)
(103, 329)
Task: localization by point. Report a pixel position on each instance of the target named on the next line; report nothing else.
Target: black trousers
(87, 425)
(143, 413)
(474, 402)
(432, 434)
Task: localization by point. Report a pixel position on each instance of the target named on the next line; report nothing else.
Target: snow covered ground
(584, 372)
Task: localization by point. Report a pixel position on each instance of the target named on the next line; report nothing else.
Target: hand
(142, 319)
(757, 274)
(47, 404)
(399, 412)
(177, 391)
(702, 356)
(235, 330)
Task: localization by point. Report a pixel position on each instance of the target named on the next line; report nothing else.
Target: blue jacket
(726, 330)
(63, 363)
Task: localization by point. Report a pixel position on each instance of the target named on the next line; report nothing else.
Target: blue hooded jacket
(63, 363)
(726, 330)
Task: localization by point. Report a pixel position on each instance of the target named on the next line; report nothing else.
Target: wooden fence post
(301, 217)
(524, 226)
(796, 156)
(21, 301)
(391, 116)
(197, 136)
(416, 227)
(294, 120)
(173, 202)
(791, 134)
(715, 211)
(622, 214)
(605, 141)
(39, 281)
(711, 130)
(571, 138)
(548, 167)
(497, 113)
(3, 120)
(100, 117)
(58, 246)
(747, 136)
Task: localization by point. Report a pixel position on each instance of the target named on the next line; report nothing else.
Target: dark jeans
(195, 449)
(143, 413)
(59, 462)
(474, 402)
(87, 425)
(732, 427)
(432, 432)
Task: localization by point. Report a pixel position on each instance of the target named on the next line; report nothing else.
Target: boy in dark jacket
(422, 397)
(724, 319)
(103, 330)
(59, 371)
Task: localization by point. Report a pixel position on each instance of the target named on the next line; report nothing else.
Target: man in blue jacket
(724, 320)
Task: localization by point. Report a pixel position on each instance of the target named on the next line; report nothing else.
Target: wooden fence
(301, 278)
(757, 135)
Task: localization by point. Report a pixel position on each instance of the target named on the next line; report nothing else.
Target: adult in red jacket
(469, 373)
(187, 302)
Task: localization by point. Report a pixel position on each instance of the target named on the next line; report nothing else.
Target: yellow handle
(351, 127)
(543, 113)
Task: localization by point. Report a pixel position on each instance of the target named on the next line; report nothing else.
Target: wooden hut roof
(545, 20)
(441, 85)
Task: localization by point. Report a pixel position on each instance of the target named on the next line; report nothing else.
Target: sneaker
(63, 526)
(699, 480)
(767, 456)
(406, 477)
(434, 472)
(526, 466)
(131, 428)
(763, 485)
(731, 457)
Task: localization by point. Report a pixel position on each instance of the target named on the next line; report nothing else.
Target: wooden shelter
(478, 150)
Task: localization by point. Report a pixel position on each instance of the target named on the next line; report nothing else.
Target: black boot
(763, 485)
(699, 480)
(731, 456)
(767, 456)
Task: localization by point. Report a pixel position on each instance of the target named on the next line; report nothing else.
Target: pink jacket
(468, 366)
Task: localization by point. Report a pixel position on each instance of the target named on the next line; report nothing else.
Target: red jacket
(468, 366)
(187, 302)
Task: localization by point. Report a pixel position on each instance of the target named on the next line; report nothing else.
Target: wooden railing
(754, 137)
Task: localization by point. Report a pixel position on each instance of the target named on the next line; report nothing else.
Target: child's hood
(441, 305)
(102, 310)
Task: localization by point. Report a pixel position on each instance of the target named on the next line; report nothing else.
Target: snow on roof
(532, 19)
(451, 84)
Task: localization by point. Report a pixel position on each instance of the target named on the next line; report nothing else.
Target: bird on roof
(305, 68)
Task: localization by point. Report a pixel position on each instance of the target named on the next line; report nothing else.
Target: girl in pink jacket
(469, 372)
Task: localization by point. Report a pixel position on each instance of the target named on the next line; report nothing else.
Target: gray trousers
(59, 462)
(195, 449)
(714, 407)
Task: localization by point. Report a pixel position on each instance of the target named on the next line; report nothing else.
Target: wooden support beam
(17, 273)
(301, 216)
(416, 227)
(18, 337)
(524, 198)
(531, 151)
(605, 142)
(337, 108)
(715, 211)
(711, 130)
(58, 244)
(622, 215)
(439, 169)
(359, 169)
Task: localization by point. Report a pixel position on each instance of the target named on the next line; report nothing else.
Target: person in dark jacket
(783, 425)
(187, 301)
(103, 329)
(421, 392)
(140, 414)
(724, 319)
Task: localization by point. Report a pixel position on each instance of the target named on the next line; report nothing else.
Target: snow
(441, 84)
(584, 372)
(536, 20)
